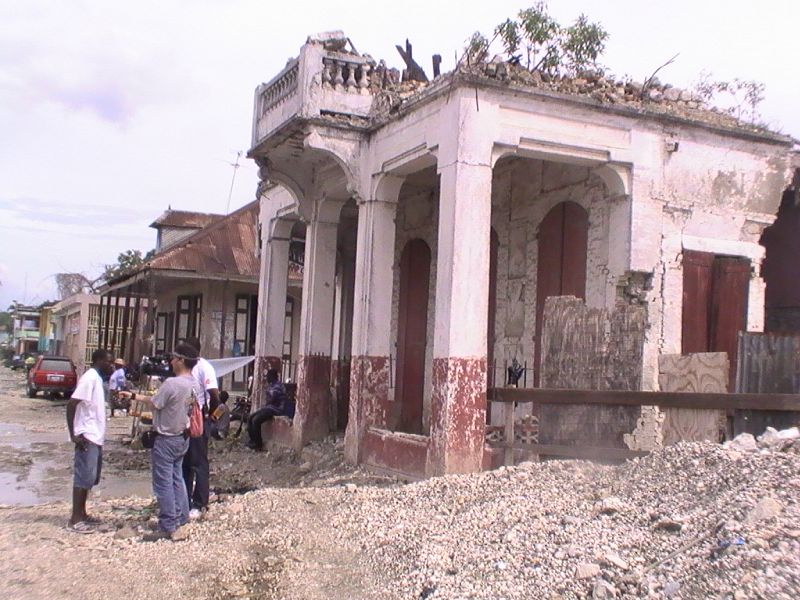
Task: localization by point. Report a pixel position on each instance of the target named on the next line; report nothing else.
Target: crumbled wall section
(591, 349)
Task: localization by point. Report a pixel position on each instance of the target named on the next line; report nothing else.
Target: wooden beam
(582, 452)
(721, 401)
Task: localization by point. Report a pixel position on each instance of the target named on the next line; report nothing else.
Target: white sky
(111, 110)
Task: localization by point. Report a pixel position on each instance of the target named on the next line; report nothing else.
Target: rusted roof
(227, 246)
(185, 219)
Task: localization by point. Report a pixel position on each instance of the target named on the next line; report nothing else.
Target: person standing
(171, 407)
(195, 463)
(117, 383)
(86, 422)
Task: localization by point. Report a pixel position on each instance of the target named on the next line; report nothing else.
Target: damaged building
(438, 218)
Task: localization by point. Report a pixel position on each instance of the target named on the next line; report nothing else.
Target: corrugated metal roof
(228, 246)
(185, 219)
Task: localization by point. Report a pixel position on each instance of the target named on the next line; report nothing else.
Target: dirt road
(234, 552)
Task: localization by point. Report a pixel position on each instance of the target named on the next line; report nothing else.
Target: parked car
(52, 374)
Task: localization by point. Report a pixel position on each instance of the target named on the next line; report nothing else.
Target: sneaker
(155, 536)
(180, 534)
(195, 514)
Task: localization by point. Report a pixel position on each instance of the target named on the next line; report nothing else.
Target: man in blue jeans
(171, 407)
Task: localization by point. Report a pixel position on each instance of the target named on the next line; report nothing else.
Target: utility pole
(235, 166)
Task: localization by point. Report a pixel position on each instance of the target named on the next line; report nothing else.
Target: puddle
(36, 468)
(20, 438)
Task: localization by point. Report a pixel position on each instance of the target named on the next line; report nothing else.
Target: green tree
(127, 262)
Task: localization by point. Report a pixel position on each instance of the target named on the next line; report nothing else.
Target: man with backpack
(195, 462)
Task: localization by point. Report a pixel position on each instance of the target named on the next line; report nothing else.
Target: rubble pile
(694, 520)
(652, 96)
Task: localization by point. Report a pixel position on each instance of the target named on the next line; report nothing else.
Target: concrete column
(372, 311)
(271, 303)
(458, 407)
(312, 417)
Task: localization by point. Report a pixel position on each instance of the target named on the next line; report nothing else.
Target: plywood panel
(702, 373)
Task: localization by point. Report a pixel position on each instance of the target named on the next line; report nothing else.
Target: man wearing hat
(118, 383)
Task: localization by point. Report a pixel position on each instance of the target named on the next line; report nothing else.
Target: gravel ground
(692, 521)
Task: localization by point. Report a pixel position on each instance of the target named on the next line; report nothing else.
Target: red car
(51, 374)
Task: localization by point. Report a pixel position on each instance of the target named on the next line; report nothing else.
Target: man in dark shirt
(278, 404)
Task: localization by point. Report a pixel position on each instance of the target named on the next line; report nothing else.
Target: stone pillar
(372, 311)
(312, 417)
(458, 407)
(271, 303)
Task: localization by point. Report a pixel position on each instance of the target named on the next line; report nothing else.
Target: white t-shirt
(90, 414)
(206, 378)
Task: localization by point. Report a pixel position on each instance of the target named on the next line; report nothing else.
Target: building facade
(439, 217)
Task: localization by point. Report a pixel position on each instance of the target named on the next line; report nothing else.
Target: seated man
(278, 404)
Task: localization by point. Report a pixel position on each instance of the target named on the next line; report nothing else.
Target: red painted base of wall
(278, 431)
(458, 416)
(312, 419)
(369, 398)
(400, 453)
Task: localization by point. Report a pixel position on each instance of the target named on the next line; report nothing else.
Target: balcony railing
(280, 88)
(317, 82)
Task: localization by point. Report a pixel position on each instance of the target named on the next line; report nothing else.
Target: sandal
(81, 527)
(92, 520)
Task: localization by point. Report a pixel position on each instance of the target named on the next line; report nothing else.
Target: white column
(372, 312)
(458, 407)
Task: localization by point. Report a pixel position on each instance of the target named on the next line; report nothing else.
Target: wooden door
(561, 268)
(697, 276)
(730, 286)
(715, 294)
(412, 334)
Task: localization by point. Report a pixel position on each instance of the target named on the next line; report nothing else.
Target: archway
(412, 334)
(781, 268)
(561, 267)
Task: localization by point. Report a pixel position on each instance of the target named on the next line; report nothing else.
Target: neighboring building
(76, 323)
(440, 216)
(174, 226)
(45, 344)
(76, 329)
(204, 284)
(25, 337)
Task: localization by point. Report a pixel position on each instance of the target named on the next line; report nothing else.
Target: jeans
(168, 487)
(196, 470)
(87, 466)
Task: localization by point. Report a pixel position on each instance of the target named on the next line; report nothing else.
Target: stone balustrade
(346, 72)
(281, 87)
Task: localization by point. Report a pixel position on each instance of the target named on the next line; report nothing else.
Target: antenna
(235, 166)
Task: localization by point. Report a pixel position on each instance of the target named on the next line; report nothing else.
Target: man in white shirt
(86, 421)
(195, 461)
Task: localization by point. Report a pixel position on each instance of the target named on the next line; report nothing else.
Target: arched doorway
(561, 266)
(412, 334)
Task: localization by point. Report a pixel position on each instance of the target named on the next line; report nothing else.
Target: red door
(561, 269)
(715, 292)
(412, 334)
